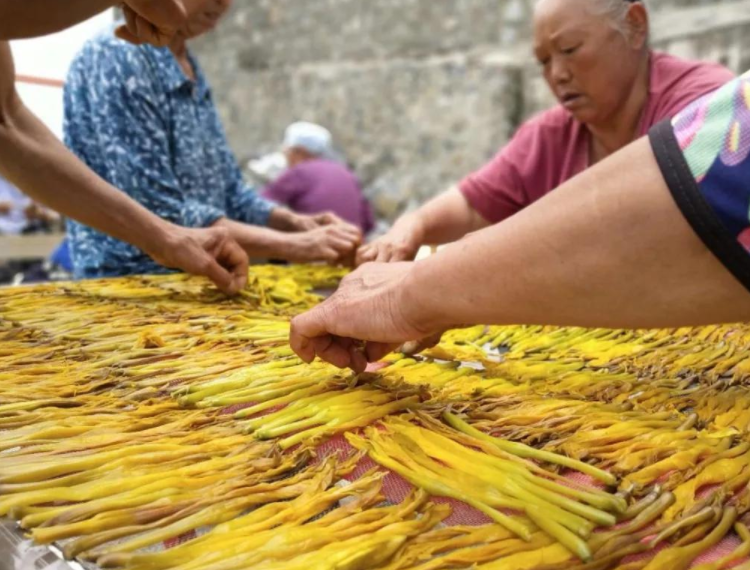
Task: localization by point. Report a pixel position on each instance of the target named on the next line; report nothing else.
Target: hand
(153, 22)
(370, 315)
(38, 212)
(416, 346)
(210, 252)
(288, 221)
(329, 219)
(332, 244)
(400, 244)
(32, 211)
(5, 208)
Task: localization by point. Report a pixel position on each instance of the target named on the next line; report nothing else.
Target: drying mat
(396, 489)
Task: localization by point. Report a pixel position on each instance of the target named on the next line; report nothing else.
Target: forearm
(258, 242)
(29, 18)
(607, 249)
(446, 218)
(32, 159)
(284, 220)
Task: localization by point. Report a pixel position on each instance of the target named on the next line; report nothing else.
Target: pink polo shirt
(553, 147)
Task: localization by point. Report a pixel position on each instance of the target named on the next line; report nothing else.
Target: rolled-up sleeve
(704, 156)
(247, 206)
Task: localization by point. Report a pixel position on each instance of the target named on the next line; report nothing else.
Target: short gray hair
(616, 10)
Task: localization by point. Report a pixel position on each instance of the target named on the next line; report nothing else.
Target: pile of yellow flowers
(151, 423)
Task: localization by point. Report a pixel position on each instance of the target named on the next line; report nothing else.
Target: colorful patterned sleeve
(704, 155)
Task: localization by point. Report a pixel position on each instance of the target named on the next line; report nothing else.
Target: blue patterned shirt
(135, 118)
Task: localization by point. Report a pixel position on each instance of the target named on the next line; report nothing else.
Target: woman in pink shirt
(611, 90)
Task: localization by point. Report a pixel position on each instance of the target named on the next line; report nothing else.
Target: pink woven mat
(396, 489)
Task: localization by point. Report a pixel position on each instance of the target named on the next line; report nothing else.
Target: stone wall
(418, 93)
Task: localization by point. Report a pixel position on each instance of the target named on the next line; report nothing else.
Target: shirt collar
(173, 76)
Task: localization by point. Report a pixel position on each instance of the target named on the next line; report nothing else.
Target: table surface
(28, 247)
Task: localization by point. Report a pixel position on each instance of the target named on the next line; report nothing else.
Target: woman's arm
(30, 18)
(610, 248)
(443, 219)
(152, 21)
(34, 160)
(331, 243)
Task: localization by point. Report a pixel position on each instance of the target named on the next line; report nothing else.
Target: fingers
(376, 351)
(234, 259)
(330, 256)
(328, 218)
(151, 21)
(331, 219)
(226, 262)
(307, 340)
(383, 252)
(144, 33)
(417, 346)
(344, 231)
(341, 352)
(350, 232)
(344, 353)
(339, 244)
(332, 350)
(131, 24)
(383, 255)
(216, 273)
(304, 329)
(348, 259)
(342, 246)
(310, 337)
(365, 254)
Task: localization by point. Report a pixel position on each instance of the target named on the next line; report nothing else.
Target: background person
(143, 118)
(657, 235)
(32, 158)
(611, 88)
(315, 183)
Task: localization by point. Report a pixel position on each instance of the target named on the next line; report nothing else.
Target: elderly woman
(665, 244)
(611, 89)
(143, 118)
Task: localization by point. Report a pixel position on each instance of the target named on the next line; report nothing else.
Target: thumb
(123, 33)
(304, 329)
(222, 278)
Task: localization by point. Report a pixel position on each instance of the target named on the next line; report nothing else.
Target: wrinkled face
(204, 16)
(589, 65)
(295, 155)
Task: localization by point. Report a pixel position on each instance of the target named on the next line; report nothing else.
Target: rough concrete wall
(418, 93)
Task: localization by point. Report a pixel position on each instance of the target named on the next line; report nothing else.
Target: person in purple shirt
(317, 184)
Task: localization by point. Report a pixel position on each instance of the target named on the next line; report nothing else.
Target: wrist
(157, 238)
(412, 228)
(291, 247)
(283, 220)
(274, 244)
(421, 309)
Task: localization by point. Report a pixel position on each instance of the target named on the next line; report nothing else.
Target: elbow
(11, 108)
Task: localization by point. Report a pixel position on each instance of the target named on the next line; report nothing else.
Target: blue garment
(61, 256)
(135, 118)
